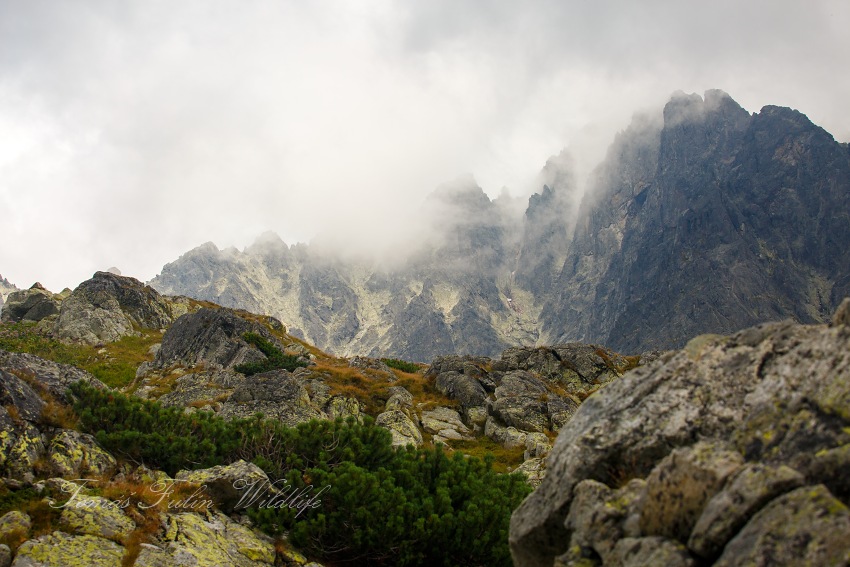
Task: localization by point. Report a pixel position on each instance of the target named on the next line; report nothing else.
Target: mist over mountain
(701, 218)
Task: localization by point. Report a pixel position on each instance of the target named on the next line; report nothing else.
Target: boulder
(749, 490)
(212, 337)
(510, 437)
(96, 516)
(681, 484)
(773, 396)
(192, 540)
(20, 397)
(33, 304)
(73, 454)
(461, 387)
(342, 406)
(108, 307)
(231, 486)
(402, 428)
(807, 526)
(59, 549)
(276, 394)
(399, 398)
(446, 423)
(14, 526)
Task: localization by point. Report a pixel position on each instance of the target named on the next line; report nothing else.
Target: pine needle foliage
(376, 506)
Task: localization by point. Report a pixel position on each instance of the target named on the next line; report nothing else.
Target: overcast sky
(133, 131)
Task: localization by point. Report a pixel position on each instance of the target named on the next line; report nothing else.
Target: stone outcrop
(31, 305)
(525, 392)
(213, 338)
(108, 307)
(725, 452)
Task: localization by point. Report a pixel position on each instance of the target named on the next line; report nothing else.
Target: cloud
(132, 132)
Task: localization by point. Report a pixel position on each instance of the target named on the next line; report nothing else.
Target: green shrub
(402, 365)
(275, 359)
(381, 505)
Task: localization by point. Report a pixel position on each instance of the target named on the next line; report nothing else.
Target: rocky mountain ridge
(703, 218)
(729, 451)
(513, 404)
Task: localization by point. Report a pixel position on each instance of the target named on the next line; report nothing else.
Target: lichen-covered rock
(399, 398)
(14, 526)
(214, 540)
(26, 446)
(342, 406)
(62, 550)
(402, 428)
(805, 527)
(654, 550)
(200, 388)
(72, 454)
(446, 423)
(598, 516)
(108, 307)
(774, 395)
(372, 365)
(680, 485)
(534, 470)
(753, 486)
(230, 486)
(97, 516)
(5, 550)
(33, 304)
(537, 445)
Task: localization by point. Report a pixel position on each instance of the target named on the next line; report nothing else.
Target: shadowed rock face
(734, 445)
(713, 221)
(704, 218)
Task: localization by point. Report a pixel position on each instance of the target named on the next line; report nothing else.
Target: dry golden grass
(505, 460)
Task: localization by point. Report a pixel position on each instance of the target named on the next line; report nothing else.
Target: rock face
(212, 337)
(702, 218)
(708, 221)
(726, 453)
(108, 307)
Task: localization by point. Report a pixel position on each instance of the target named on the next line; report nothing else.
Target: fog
(132, 132)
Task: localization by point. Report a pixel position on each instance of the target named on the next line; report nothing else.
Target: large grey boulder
(212, 337)
(720, 429)
(33, 304)
(108, 307)
(276, 394)
(401, 426)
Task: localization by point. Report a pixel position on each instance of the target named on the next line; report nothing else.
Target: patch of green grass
(23, 337)
(117, 368)
(115, 364)
(402, 365)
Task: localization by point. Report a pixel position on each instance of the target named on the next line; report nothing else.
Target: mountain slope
(704, 218)
(740, 219)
